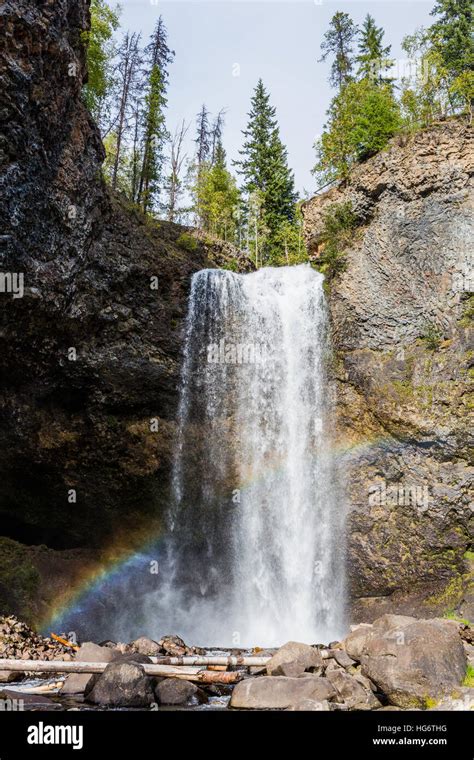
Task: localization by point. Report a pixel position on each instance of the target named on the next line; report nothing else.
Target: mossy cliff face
(403, 356)
(91, 352)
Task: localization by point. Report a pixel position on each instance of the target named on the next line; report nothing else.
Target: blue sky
(223, 47)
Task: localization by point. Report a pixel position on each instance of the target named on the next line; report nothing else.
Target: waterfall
(255, 554)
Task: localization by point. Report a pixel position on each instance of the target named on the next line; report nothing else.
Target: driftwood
(169, 671)
(259, 662)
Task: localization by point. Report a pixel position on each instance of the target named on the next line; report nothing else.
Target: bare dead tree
(128, 69)
(177, 159)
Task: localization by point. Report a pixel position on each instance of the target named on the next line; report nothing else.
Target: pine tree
(452, 34)
(338, 41)
(453, 41)
(264, 166)
(203, 136)
(373, 58)
(159, 56)
(216, 134)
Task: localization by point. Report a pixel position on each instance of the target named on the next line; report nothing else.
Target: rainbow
(120, 558)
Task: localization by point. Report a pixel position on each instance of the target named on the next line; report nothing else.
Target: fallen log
(59, 666)
(207, 661)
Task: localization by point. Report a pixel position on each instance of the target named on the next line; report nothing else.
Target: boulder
(76, 683)
(146, 646)
(351, 692)
(294, 658)
(123, 684)
(412, 661)
(7, 676)
(310, 705)
(176, 691)
(280, 692)
(343, 659)
(461, 699)
(355, 642)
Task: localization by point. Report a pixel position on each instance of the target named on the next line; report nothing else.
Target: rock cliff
(403, 355)
(91, 351)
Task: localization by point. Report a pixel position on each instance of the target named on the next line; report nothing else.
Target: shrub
(188, 242)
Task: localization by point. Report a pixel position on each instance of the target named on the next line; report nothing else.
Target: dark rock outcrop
(403, 340)
(91, 352)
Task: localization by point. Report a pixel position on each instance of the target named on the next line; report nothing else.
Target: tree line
(254, 203)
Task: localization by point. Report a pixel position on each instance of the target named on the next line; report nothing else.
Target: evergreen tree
(453, 41)
(100, 52)
(362, 118)
(159, 56)
(203, 136)
(338, 42)
(216, 134)
(452, 34)
(264, 167)
(373, 58)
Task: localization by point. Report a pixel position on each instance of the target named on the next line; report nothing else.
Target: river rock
(294, 658)
(7, 676)
(146, 646)
(123, 684)
(343, 659)
(177, 691)
(280, 692)
(310, 705)
(460, 699)
(76, 683)
(413, 661)
(351, 692)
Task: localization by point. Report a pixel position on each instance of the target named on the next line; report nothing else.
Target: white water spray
(256, 554)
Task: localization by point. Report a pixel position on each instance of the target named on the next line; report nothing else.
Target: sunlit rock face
(401, 317)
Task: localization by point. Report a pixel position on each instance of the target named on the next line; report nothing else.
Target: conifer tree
(264, 166)
(373, 58)
(159, 57)
(452, 34)
(338, 42)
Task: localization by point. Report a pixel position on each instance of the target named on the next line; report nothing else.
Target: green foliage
(451, 615)
(188, 242)
(267, 180)
(373, 56)
(339, 223)
(100, 52)
(217, 197)
(452, 35)
(432, 336)
(469, 678)
(362, 118)
(338, 42)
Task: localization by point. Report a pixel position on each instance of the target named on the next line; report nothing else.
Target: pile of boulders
(124, 682)
(19, 642)
(397, 662)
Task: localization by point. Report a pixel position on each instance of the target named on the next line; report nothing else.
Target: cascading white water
(256, 553)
